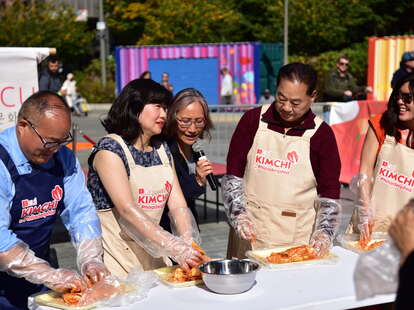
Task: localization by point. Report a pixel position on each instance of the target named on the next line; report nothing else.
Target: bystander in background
(145, 75)
(69, 92)
(340, 85)
(226, 86)
(49, 79)
(406, 67)
(165, 81)
(266, 98)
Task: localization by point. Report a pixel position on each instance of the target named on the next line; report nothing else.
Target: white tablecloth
(307, 287)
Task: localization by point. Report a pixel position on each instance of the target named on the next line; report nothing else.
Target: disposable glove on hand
(183, 224)
(321, 243)
(183, 253)
(21, 262)
(244, 227)
(90, 259)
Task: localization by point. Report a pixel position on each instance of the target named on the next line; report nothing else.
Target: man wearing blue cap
(406, 67)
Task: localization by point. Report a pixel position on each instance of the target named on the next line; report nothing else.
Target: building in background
(252, 65)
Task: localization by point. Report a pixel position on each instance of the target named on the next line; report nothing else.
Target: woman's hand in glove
(183, 253)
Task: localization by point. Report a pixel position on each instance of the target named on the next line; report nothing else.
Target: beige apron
(151, 187)
(393, 184)
(280, 190)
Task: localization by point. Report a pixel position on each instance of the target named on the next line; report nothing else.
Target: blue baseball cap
(407, 56)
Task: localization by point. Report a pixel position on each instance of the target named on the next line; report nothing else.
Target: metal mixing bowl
(229, 276)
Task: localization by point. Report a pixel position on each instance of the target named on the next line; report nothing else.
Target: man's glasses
(46, 144)
(186, 122)
(344, 64)
(406, 98)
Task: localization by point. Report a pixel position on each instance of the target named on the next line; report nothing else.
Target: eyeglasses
(406, 98)
(186, 122)
(46, 144)
(344, 64)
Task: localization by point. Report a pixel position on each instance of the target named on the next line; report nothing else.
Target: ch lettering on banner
(18, 79)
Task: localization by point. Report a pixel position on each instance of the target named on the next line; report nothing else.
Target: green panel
(271, 59)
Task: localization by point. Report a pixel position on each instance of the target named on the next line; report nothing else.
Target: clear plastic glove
(183, 253)
(90, 259)
(62, 280)
(361, 185)
(102, 290)
(328, 220)
(21, 262)
(376, 272)
(244, 227)
(321, 243)
(234, 199)
(183, 224)
(235, 206)
(365, 219)
(155, 240)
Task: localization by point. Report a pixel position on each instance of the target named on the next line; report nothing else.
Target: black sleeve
(404, 299)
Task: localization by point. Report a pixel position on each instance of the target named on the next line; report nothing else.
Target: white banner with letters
(18, 79)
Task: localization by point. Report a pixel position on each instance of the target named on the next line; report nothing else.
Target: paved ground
(214, 234)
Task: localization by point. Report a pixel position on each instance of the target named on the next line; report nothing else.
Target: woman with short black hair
(131, 180)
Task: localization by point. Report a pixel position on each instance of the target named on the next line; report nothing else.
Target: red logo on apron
(293, 157)
(57, 193)
(168, 186)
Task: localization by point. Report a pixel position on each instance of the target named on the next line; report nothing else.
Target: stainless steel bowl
(229, 276)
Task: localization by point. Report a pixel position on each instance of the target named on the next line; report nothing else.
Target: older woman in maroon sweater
(283, 166)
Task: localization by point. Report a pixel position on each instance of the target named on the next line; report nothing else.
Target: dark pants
(226, 100)
(14, 292)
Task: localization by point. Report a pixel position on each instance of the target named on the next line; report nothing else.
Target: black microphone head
(198, 146)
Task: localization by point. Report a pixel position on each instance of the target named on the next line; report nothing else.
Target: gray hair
(181, 100)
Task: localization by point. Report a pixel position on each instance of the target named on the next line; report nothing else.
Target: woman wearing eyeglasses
(188, 120)
(131, 180)
(386, 180)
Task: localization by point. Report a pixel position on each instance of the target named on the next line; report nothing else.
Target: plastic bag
(376, 272)
(118, 292)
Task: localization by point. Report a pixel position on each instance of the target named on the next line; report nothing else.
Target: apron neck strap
(262, 124)
(163, 154)
(127, 152)
(310, 132)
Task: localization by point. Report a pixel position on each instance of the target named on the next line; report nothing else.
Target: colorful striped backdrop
(384, 56)
(240, 58)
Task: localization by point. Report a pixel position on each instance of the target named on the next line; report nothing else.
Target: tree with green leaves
(175, 21)
(48, 24)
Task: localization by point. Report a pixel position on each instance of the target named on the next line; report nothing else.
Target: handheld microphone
(198, 150)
